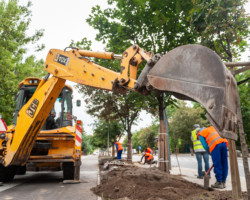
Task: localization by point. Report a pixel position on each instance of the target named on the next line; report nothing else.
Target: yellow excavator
(57, 145)
(190, 72)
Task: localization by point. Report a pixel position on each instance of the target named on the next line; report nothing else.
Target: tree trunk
(163, 148)
(244, 149)
(129, 153)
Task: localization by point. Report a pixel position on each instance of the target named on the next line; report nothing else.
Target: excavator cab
(61, 113)
(63, 108)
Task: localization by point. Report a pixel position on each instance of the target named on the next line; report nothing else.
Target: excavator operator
(51, 122)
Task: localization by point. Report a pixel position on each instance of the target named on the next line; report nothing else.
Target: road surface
(49, 186)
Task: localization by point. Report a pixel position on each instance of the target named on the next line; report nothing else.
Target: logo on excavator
(61, 59)
(32, 108)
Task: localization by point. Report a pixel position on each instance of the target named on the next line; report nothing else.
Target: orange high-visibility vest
(149, 156)
(212, 137)
(119, 146)
(149, 150)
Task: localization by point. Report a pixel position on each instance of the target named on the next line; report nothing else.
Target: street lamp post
(108, 140)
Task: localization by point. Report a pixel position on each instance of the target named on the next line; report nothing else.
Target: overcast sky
(63, 21)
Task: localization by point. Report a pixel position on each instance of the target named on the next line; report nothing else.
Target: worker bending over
(148, 154)
(119, 149)
(217, 147)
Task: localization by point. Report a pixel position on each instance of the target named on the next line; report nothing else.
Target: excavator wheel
(7, 173)
(71, 170)
(68, 171)
(21, 170)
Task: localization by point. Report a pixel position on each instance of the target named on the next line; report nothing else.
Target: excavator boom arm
(66, 65)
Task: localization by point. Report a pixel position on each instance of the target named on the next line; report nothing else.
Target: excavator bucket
(194, 72)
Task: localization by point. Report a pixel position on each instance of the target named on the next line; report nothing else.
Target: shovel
(207, 177)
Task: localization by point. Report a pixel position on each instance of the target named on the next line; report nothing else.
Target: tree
(157, 25)
(244, 91)
(14, 22)
(112, 107)
(87, 147)
(100, 134)
(222, 26)
(181, 124)
(145, 137)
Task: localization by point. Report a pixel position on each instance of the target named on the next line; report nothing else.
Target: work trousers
(199, 156)
(119, 155)
(219, 157)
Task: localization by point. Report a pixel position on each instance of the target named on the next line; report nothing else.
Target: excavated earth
(132, 182)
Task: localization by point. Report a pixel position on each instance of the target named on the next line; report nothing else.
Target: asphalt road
(49, 186)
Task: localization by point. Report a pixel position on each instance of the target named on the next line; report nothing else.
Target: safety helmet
(196, 126)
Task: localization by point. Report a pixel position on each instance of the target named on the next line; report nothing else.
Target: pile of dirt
(143, 183)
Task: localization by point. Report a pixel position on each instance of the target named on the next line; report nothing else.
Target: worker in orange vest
(148, 154)
(217, 147)
(149, 150)
(119, 149)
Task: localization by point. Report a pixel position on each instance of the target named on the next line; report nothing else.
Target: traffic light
(78, 103)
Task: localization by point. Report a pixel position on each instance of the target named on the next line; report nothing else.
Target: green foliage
(181, 124)
(14, 22)
(145, 137)
(83, 44)
(87, 146)
(221, 25)
(244, 91)
(156, 26)
(100, 135)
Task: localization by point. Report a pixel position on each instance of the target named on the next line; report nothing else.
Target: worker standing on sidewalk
(199, 152)
(119, 149)
(217, 147)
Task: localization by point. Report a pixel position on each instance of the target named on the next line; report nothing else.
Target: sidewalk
(188, 167)
(190, 175)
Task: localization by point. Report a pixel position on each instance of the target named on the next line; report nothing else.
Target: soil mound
(132, 183)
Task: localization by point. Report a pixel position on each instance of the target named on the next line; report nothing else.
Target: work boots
(218, 185)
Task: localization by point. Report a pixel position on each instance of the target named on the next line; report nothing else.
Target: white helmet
(196, 126)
